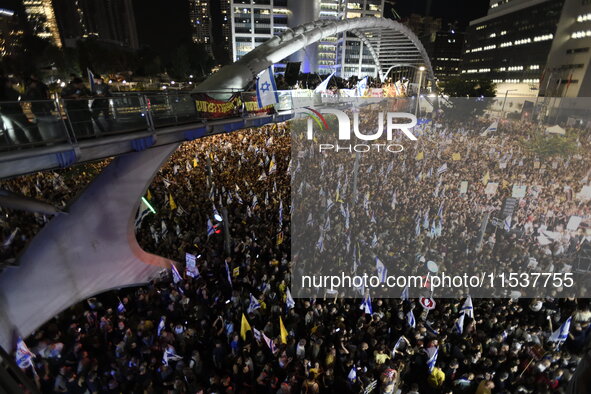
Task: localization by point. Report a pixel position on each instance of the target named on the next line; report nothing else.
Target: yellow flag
(485, 178)
(456, 157)
(172, 203)
(148, 195)
(420, 155)
(282, 331)
(236, 272)
(280, 238)
(194, 162)
(244, 327)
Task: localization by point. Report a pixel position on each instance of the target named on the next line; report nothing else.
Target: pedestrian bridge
(93, 247)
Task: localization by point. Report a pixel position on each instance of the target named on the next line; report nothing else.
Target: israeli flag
(399, 343)
(432, 357)
(492, 128)
(290, 303)
(170, 355)
(254, 304)
(24, 357)
(442, 169)
(459, 325)
(561, 334)
(210, 229)
(405, 295)
(410, 319)
(507, 223)
(161, 325)
(382, 270)
(176, 275)
(266, 89)
(120, 307)
(324, 84)
(352, 374)
(366, 305)
(361, 87)
(228, 273)
(468, 308)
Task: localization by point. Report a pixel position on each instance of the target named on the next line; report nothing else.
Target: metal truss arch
(389, 42)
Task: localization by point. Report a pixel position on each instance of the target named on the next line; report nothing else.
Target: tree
(468, 98)
(547, 146)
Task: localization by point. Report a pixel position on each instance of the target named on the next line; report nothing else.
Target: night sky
(165, 23)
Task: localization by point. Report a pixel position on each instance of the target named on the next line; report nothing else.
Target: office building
(353, 57)
(568, 70)
(511, 44)
(42, 20)
(445, 52)
(105, 20)
(200, 17)
(256, 21)
(11, 35)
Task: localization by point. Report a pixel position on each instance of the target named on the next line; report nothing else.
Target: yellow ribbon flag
(282, 331)
(420, 155)
(485, 178)
(194, 162)
(172, 203)
(244, 327)
(280, 238)
(456, 157)
(148, 195)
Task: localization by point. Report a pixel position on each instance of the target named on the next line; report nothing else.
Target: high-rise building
(511, 44)
(326, 51)
(353, 57)
(41, 17)
(445, 52)
(200, 16)
(256, 21)
(111, 21)
(568, 69)
(204, 15)
(11, 34)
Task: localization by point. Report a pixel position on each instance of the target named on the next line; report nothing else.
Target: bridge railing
(29, 124)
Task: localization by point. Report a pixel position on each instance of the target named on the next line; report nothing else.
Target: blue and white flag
(366, 305)
(442, 169)
(90, 79)
(269, 343)
(161, 325)
(382, 270)
(361, 87)
(431, 357)
(468, 308)
(142, 212)
(323, 86)
(120, 307)
(290, 303)
(10, 238)
(170, 355)
(561, 334)
(176, 275)
(507, 223)
(228, 273)
(280, 213)
(405, 295)
(254, 304)
(352, 374)
(459, 324)
(399, 343)
(410, 319)
(24, 357)
(210, 228)
(266, 89)
(490, 129)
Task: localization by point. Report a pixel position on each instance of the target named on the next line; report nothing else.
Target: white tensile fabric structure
(390, 43)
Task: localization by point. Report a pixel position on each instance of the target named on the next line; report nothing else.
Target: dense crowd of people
(231, 326)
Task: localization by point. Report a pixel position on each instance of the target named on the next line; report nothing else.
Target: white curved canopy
(389, 42)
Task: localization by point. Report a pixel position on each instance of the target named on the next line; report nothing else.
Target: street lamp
(421, 69)
(505, 99)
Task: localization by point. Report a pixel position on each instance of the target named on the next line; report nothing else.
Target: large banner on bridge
(251, 105)
(211, 108)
